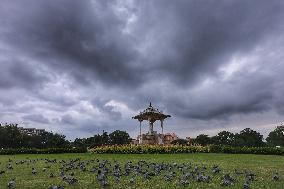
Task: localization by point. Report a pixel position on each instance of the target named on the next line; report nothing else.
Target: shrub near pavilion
(180, 142)
(203, 140)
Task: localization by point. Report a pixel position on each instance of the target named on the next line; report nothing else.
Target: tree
(119, 137)
(116, 137)
(57, 140)
(223, 138)
(180, 142)
(78, 142)
(248, 137)
(12, 137)
(98, 140)
(105, 138)
(51, 140)
(276, 137)
(203, 139)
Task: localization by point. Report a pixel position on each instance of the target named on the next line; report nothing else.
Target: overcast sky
(81, 67)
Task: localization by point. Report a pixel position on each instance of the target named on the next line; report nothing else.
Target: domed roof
(151, 109)
(150, 113)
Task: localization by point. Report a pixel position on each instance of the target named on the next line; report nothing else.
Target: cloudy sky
(80, 67)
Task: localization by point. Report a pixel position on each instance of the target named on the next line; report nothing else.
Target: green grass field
(264, 166)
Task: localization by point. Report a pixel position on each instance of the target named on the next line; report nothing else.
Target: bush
(247, 150)
(11, 151)
(149, 149)
(180, 142)
(172, 149)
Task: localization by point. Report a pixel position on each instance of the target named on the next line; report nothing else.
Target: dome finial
(150, 104)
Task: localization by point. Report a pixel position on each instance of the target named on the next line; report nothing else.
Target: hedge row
(151, 149)
(247, 150)
(12, 151)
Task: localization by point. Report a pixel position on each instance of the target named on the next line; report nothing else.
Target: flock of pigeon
(103, 170)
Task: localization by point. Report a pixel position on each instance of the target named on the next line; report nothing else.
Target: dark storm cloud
(36, 118)
(73, 57)
(67, 119)
(193, 38)
(196, 38)
(102, 105)
(15, 73)
(73, 35)
(227, 99)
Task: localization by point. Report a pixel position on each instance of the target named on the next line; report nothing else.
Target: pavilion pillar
(151, 127)
(140, 141)
(162, 125)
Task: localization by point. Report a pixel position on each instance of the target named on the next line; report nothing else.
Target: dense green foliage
(116, 137)
(119, 137)
(276, 137)
(246, 137)
(264, 167)
(223, 138)
(203, 139)
(173, 149)
(12, 137)
(180, 142)
(246, 150)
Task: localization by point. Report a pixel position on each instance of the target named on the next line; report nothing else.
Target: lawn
(263, 166)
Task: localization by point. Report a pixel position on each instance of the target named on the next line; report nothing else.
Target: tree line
(246, 137)
(115, 138)
(13, 137)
